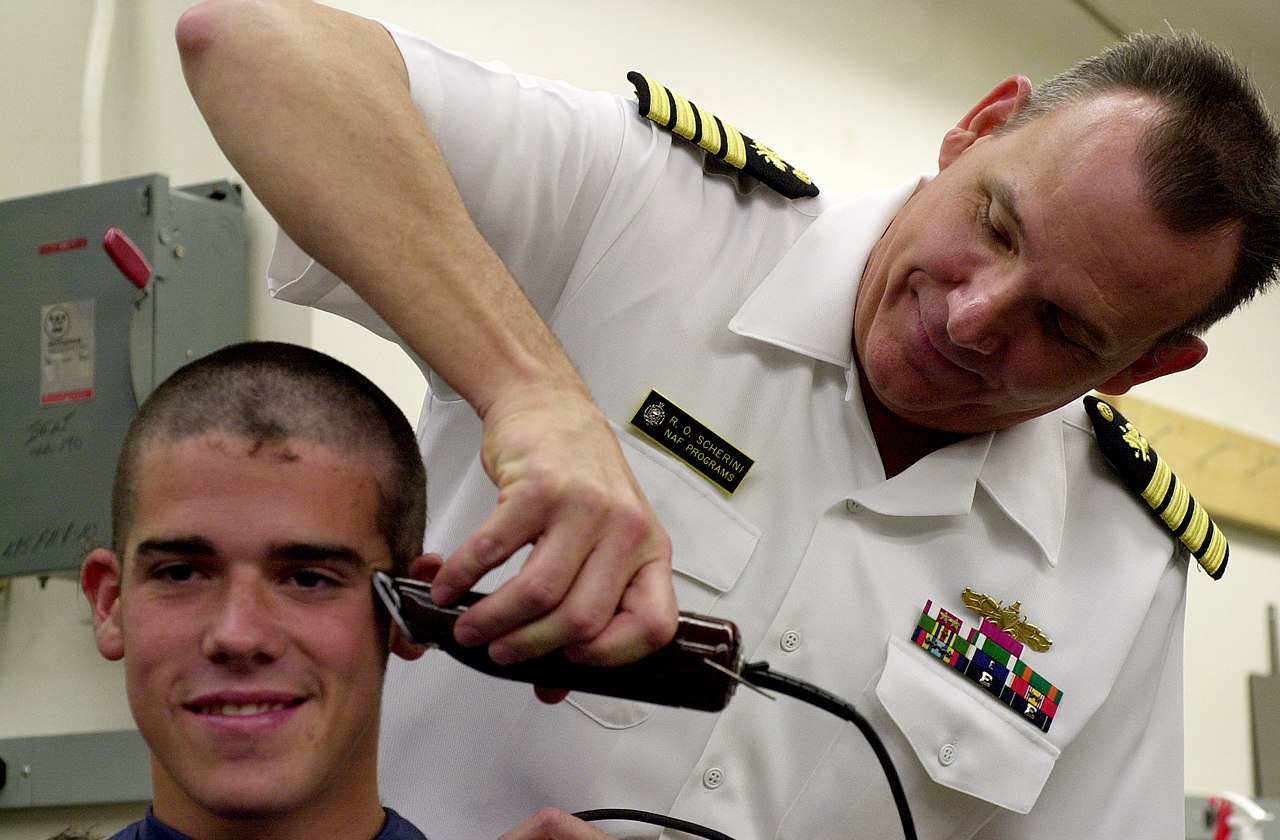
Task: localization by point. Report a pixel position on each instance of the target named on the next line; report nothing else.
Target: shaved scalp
(269, 393)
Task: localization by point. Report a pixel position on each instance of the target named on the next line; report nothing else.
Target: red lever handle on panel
(127, 256)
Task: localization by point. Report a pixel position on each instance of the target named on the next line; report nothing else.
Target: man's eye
(994, 231)
(176, 572)
(312, 579)
(1067, 329)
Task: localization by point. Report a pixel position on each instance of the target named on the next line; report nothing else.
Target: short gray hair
(1211, 161)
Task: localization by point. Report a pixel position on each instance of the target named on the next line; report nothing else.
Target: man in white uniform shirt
(847, 415)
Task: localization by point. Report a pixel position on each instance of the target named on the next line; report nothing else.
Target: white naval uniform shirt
(738, 308)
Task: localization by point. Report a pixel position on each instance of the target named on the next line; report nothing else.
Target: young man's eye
(175, 572)
(312, 579)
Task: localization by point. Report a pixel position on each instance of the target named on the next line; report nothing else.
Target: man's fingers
(506, 529)
(554, 824)
(564, 487)
(523, 603)
(555, 600)
(562, 610)
(591, 544)
(535, 508)
(645, 622)
(425, 567)
(603, 622)
(550, 696)
(541, 585)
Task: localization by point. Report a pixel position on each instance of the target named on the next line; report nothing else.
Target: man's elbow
(214, 27)
(198, 26)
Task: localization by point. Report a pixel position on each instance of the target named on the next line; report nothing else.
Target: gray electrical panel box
(107, 290)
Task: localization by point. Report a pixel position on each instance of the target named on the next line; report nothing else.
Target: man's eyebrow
(1003, 195)
(188, 546)
(294, 552)
(317, 552)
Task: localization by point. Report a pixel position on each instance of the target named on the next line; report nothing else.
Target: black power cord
(759, 675)
(600, 814)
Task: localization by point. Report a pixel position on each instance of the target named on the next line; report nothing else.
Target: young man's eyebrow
(303, 552)
(317, 552)
(187, 546)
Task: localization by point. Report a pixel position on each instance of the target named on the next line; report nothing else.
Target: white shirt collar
(799, 308)
(1026, 474)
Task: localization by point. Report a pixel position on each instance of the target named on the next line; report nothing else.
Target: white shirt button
(790, 640)
(852, 506)
(712, 778)
(947, 755)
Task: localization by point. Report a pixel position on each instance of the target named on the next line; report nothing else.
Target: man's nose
(243, 627)
(982, 312)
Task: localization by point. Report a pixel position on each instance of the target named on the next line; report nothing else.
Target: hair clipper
(697, 670)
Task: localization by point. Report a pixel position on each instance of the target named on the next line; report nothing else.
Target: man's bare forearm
(312, 107)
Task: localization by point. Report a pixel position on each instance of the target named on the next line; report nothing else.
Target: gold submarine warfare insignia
(1009, 619)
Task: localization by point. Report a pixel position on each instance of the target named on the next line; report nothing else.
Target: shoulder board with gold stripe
(685, 119)
(1146, 474)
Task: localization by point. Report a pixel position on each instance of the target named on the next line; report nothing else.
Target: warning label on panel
(66, 352)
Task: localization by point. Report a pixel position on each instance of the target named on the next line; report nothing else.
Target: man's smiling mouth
(243, 709)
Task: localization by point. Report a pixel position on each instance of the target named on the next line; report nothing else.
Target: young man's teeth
(244, 709)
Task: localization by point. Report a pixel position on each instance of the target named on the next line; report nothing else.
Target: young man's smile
(254, 654)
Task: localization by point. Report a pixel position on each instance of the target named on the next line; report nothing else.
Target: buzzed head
(269, 392)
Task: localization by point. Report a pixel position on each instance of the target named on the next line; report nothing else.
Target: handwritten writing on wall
(81, 535)
(52, 435)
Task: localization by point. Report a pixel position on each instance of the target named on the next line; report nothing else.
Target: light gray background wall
(857, 93)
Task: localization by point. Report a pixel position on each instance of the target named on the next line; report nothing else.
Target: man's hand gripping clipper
(697, 670)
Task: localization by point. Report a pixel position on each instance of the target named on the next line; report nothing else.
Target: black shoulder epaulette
(684, 119)
(1146, 474)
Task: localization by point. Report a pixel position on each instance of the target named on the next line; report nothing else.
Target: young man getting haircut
(257, 490)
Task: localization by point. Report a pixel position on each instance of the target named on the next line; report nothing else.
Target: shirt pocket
(711, 545)
(959, 755)
(965, 739)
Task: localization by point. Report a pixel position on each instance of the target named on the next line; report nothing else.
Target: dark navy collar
(150, 827)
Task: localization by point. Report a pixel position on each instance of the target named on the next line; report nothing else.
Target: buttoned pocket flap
(964, 738)
(711, 543)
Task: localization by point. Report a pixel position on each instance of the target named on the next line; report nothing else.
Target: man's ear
(993, 111)
(1182, 354)
(404, 647)
(100, 582)
(423, 567)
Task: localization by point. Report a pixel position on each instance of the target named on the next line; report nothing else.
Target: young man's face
(243, 610)
(1030, 271)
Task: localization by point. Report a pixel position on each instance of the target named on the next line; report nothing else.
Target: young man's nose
(243, 626)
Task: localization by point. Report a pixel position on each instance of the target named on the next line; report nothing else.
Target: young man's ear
(983, 119)
(100, 582)
(1182, 354)
(423, 567)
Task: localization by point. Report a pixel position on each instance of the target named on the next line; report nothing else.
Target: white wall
(855, 92)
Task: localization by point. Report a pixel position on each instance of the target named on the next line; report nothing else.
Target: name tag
(672, 428)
